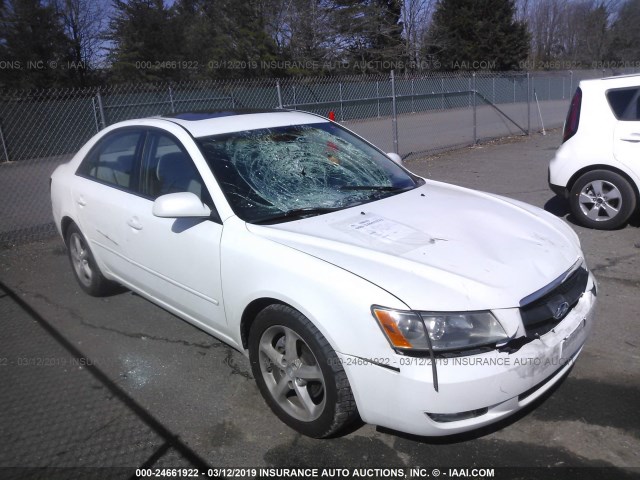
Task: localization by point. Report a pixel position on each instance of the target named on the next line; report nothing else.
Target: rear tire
(299, 374)
(602, 199)
(84, 265)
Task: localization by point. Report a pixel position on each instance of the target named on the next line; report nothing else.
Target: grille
(543, 314)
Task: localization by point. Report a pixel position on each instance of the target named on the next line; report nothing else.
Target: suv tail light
(573, 117)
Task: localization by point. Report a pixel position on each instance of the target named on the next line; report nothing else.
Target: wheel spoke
(305, 400)
(596, 185)
(272, 354)
(611, 211)
(594, 212)
(87, 271)
(291, 345)
(586, 198)
(76, 247)
(281, 389)
(614, 194)
(309, 372)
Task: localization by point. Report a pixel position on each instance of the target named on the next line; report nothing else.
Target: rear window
(625, 103)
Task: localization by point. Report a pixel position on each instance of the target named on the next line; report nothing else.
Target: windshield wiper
(297, 213)
(378, 188)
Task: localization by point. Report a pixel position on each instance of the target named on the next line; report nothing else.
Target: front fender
(335, 300)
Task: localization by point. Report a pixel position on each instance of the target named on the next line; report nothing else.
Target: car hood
(440, 247)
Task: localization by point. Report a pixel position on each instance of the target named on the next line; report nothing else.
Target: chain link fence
(410, 115)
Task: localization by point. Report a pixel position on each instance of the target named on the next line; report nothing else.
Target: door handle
(633, 137)
(81, 201)
(134, 223)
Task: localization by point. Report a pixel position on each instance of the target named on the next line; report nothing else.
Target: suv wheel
(602, 199)
(299, 374)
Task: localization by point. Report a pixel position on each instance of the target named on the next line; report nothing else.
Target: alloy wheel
(600, 200)
(292, 373)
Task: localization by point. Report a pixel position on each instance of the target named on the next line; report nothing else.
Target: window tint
(169, 169)
(625, 103)
(112, 160)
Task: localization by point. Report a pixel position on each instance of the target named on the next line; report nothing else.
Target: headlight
(447, 330)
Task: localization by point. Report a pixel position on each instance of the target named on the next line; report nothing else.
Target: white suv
(598, 165)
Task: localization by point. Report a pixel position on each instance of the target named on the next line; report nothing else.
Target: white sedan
(355, 287)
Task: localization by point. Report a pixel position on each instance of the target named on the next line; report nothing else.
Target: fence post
(475, 118)
(570, 82)
(394, 113)
(341, 107)
(4, 146)
(528, 104)
(514, 89)
(378, 95)
(95, 114)
(101, 109)
(279, 93)
(442, 90)
(293, 88)
(173, 108)
(413, 108)
(494, 90)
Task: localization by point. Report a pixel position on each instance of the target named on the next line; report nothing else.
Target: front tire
(299, 374)
(84, 265)
(602, 199)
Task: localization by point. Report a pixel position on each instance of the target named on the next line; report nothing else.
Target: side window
(625, 103)
(113, 159)
(168, 168)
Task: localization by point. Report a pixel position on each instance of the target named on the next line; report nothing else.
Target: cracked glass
(284, 173)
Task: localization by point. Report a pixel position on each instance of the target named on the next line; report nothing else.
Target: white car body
(603, 139)
(434, 248)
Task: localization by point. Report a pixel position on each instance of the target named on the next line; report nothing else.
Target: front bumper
(398, 392)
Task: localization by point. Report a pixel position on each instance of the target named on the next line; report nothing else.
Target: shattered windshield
(283, 173)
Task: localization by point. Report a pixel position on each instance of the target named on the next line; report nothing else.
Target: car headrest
(174, 165)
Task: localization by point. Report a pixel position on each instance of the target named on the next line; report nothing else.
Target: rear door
(625, 104)
(106, 179)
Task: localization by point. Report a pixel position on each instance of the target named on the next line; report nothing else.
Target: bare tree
(625, 36)
(546, 21)
(575, 30)
(85, 23)
(522, 10)
(416, 16)
(301, 29)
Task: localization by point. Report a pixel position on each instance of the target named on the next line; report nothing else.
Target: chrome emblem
(561, 310)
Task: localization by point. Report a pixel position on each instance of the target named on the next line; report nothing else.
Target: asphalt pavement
(98, 387)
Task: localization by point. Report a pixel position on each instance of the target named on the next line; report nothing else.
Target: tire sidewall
(290, 318)
(628, 199)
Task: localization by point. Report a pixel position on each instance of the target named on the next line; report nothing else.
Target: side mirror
(396, 158)
(180, 205)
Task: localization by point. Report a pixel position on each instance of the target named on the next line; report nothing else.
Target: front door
(176, 261)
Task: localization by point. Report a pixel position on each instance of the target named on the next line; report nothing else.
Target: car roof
(204, 124)
(619, 81)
